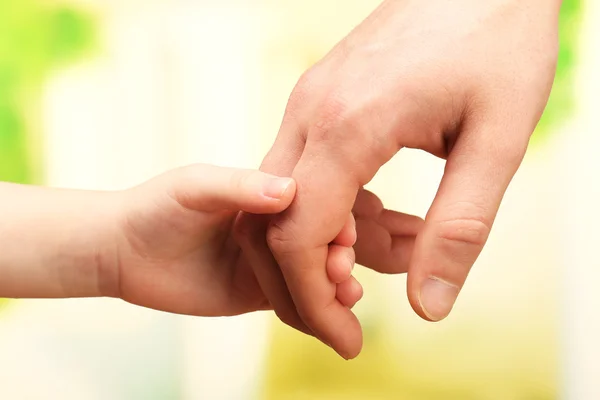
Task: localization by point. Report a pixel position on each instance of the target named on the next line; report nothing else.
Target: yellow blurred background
(104, 94)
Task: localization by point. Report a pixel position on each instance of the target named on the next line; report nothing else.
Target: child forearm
(55, 243)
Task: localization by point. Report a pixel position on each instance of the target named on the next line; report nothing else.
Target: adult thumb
(478, 172)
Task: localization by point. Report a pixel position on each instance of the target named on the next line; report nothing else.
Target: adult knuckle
(281, 238)
(464, 231)
(334, 113)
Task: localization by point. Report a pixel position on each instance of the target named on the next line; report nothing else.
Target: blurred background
(104, 94)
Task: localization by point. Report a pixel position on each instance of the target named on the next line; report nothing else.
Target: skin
(167, 244)
(464, 80)
(176, 251)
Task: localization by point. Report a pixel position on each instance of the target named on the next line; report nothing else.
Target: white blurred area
(581, 234)
(184, 81)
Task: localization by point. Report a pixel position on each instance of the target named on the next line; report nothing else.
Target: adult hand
(465, 80)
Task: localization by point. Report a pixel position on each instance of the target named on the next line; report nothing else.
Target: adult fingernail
(437, 298)
(275, 188)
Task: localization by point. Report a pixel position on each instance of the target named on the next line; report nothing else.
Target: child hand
(176, 251)
(383, 240)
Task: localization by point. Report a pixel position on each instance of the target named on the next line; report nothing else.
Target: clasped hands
(463, 80)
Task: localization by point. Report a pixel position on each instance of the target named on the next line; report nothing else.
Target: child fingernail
(275, 188)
